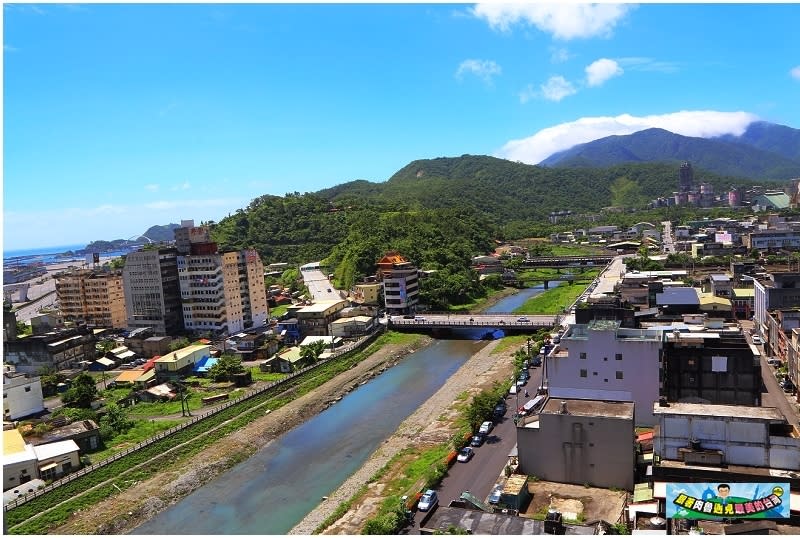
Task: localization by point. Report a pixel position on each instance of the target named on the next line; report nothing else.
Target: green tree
(115, 421)
(312, 351)
(179, 344)
(24, 329)
(49, 377)
(226, 367)
(82, 392)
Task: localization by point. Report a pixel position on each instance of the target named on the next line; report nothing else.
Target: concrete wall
(579, 450)
(743, 441)
(639, 366)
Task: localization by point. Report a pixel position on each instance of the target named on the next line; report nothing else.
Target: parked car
(757, 340)
(494, 496)
(523, 320)
(428, 501)
(774, 362)
(787, 385)
(486, 427)
(537, 360)
(513, 389)
(557, 339)
(477, 440)
(521, 381)
(465, 454)
(500, 410)
(419, 319)
(126, 366)
(525, 374)
(408, 316)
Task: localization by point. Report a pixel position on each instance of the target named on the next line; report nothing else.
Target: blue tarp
(204, 365)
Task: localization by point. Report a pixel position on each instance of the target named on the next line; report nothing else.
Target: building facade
(152, 291)
(400, 280)
(96, 298)
(579, 442)
(22, 395)
(601, 361)
(62, 350)
(716, 435)
(711, 367)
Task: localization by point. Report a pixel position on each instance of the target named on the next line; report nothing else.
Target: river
(274, 489)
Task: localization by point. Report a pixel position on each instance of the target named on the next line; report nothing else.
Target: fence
(161, 435)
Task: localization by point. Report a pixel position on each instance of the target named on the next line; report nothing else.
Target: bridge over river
(505, 321)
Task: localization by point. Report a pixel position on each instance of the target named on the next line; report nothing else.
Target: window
(583, 373)
(619, 374)
(618, 356)
(605, 358)
(583, 355)
(27, 389)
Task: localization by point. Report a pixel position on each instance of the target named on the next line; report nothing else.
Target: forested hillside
(437, 212)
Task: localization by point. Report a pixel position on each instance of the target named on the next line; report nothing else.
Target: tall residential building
(220, 292)
(96, 298)
(602, 361)
(400, 283)
(152, 291)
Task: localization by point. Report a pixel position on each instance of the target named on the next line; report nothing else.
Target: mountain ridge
(763, 151)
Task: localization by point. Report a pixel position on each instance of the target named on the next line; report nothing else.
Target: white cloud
(9, 48)
(483, 69)
(559, 55)
(185, 186)
(795, 72)
(152, 187)
(638, 63)
(527, 94)
(600, 71)
(564, 21)
(556, 88)
(702, 123)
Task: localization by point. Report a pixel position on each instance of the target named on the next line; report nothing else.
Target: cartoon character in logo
(723, 496)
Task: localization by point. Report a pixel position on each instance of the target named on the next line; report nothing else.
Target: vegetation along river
(274, 489)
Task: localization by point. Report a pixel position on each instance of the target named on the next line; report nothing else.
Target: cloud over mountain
(701, 123)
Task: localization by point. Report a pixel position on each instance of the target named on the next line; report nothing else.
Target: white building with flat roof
(601, 361)
(22, 394)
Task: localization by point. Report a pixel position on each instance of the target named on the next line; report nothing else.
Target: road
(485, 469)
(318, 284)
(666, 238)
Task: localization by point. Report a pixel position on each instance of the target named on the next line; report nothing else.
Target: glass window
(619, 374)
(583, 355)
(618, 356)
(583, 373)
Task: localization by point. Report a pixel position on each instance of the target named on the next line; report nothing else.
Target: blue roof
(204, 364)
(678, 295)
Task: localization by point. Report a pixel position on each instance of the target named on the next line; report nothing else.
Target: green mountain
(159, 233)
(764, 152)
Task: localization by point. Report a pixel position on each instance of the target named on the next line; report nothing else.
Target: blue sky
(118, 117)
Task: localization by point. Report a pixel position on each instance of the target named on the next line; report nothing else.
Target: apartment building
(602, 361)
(400, 283)
(95, 298)
(152, 291)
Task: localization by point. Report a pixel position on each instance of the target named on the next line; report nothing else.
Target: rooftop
(589, 408)
(713, 410)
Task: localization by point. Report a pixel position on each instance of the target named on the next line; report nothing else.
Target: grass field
(554, 300)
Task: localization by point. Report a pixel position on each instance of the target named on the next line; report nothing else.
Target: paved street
(318, 284)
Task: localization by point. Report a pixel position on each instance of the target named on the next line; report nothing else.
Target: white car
(513, 389)
(486, 427)
(428, 500)
(757, 340)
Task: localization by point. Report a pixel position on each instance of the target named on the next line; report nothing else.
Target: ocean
(51, 254)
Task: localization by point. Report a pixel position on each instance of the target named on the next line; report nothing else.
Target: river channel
(274, 489)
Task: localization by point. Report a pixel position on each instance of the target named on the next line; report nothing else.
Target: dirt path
(132, 507)
(430, 424)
